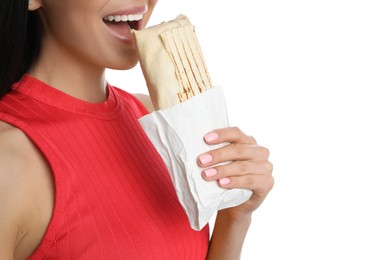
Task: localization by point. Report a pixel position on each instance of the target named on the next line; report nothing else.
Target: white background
(310, 80)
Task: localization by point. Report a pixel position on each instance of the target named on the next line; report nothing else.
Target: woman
(78, 177)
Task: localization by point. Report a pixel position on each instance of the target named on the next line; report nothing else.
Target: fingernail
(210, 172)
(224, 181)
(211, 137)
(205, 159)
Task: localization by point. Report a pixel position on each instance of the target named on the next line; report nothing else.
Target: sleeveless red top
(114, 198)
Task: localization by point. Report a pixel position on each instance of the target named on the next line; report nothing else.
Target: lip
(125, 38)
(132, 10)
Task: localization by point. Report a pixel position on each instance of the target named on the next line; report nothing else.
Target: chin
(126, 65)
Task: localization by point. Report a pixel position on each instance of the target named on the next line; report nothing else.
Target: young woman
(78, 177)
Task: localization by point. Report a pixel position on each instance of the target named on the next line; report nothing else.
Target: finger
(259, 184)
(238, 168)
(234, 152)
(229, 134)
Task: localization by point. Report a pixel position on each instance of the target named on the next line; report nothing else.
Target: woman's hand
(249, 168)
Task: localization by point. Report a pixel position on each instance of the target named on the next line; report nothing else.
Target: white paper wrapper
(177, 133)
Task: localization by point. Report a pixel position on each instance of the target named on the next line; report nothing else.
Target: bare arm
(228, 237)
(11, 197)
(26, 194)
(11, 230)
(8, 229)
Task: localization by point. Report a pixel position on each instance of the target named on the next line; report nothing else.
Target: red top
(114, 198)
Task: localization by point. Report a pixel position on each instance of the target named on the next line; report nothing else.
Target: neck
(71, 74)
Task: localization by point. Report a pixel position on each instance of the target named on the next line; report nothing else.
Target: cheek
(152, 4)
(86, 38)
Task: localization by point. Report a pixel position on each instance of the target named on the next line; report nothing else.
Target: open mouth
(132, 20)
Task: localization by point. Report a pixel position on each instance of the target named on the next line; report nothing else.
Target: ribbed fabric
(114, 198)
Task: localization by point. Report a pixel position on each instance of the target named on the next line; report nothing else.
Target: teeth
(123, 18)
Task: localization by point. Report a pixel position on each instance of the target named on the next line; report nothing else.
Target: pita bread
(172, 62)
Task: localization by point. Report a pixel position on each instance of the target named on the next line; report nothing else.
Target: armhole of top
(145, 101)
(58, 182)
(141, 109)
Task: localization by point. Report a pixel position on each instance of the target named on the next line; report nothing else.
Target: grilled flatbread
(172, 62)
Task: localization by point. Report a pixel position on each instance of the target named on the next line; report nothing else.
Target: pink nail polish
(211, 137)
(224, 181)
(205, 159)
(210, 172)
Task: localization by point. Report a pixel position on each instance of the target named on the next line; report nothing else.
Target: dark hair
(20, 41)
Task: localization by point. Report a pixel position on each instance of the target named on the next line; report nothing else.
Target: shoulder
(12, 184)
(19, 186)
(146, 101)
(142, 99)
(13, 149)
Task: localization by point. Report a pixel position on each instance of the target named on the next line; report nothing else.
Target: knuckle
(259, 153)
(265, 186)
(250, 181)
(239, 150)
(265, 151)
(253, 139)
(237, 131)
(270, 183)
(269, 167)
(258, 150)
(242, 167)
